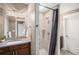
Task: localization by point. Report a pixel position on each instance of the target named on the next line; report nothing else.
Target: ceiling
(14, 9)
(21, 8)
(16, 6)
(44, 9)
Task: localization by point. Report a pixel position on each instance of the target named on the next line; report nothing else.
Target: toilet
(43, 52)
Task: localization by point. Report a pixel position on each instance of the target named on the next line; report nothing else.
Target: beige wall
(31, 26)
(1, 22)
(1, 25)
(32, 36)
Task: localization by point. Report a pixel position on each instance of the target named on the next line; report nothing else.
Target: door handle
(67, 36)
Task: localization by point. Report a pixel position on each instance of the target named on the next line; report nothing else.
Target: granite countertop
(10, 42)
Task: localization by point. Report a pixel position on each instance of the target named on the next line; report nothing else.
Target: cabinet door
(24, 51)
(5, 51)
(8, 53)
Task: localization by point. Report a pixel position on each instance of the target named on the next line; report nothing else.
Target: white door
(67, 38)
(72, 33)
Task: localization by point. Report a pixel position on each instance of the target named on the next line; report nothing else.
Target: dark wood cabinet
(21, 49)
(7, 53)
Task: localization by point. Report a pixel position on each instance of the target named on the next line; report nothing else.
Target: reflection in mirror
(11, 27)
(16, 27)
(15, 22)
(21, 31)
(1, 25)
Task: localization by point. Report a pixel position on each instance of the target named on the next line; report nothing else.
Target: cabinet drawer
(21, 46)
(11, 48)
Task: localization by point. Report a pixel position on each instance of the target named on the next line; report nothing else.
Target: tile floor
(66, 52)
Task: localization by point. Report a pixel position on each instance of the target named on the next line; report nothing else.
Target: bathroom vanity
(19, 47)
(13, 34)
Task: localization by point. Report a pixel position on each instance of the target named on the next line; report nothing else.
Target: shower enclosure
(45, 17)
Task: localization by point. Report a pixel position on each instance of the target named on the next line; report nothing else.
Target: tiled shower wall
(45, 29)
